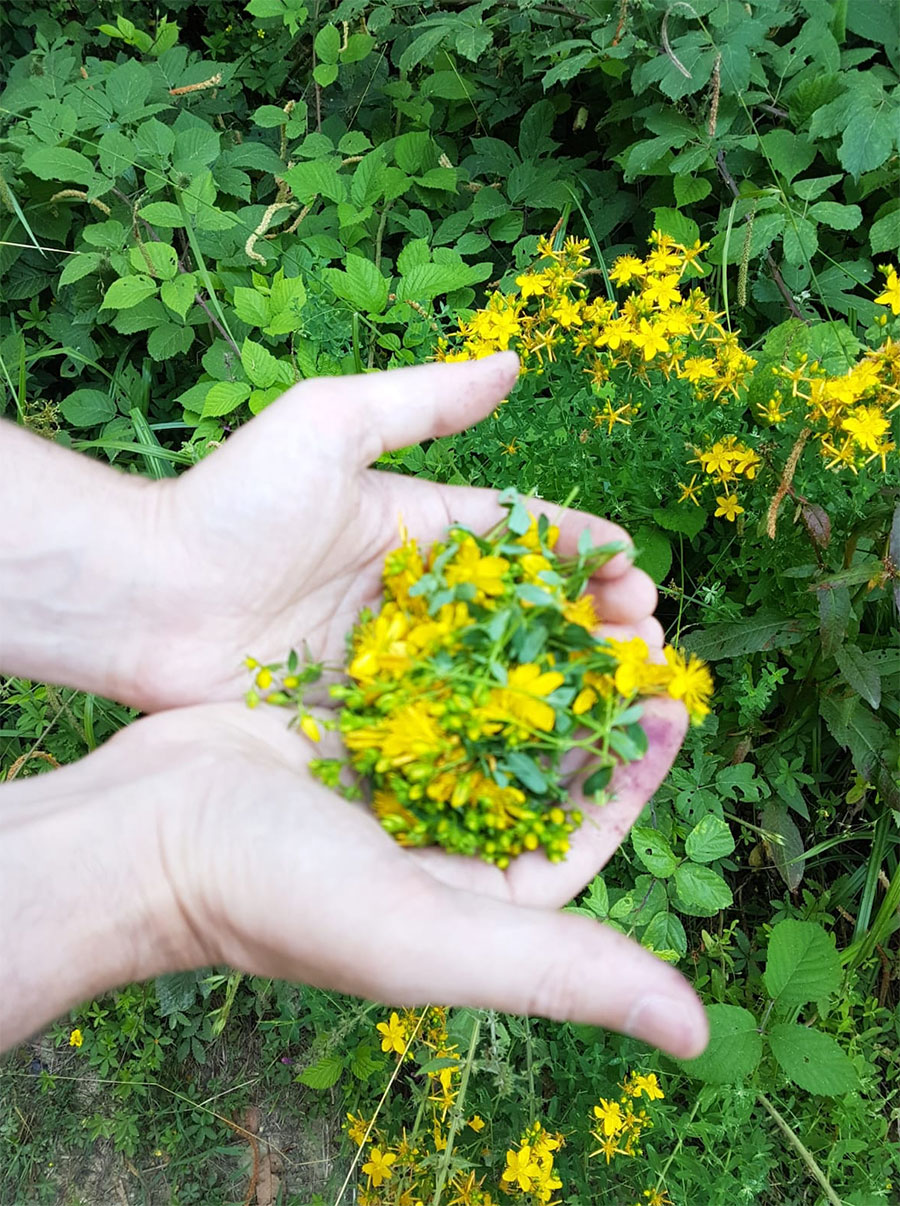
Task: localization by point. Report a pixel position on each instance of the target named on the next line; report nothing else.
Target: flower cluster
(658, 327)
(481, 670)
(618, 1125)
(529, 1174)
(723, 464)
(402, 1171)
(847, 414)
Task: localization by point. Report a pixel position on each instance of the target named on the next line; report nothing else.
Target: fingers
(453, 947)
(379, 412)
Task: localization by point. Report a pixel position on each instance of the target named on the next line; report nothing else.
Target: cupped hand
(269, 872)
(277, 539)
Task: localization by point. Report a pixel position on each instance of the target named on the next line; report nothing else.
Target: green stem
(457, 1115)
(802, 1151)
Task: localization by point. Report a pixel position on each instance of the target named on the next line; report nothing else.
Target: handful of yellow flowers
(479, 675)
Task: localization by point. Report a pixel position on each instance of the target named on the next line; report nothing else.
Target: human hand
(277, 539)
(197, 837)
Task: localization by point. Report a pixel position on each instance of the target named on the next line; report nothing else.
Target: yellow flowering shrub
(481, 670)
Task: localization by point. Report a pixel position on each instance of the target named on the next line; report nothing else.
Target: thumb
(461, 949)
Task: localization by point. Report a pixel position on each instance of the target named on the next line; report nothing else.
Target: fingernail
(667, 1022)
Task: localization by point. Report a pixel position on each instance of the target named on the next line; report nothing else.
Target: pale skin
(196, 836)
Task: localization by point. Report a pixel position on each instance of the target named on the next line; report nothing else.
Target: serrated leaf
(812, 1060)
(260, 365)
(159, 259)
(59, 163)
(179, 292)
(858, 673)
(169, 339)
(195, 149)
(424, 282)
(224, 397)
(858, 729)
(324, 1073)
(700, 892)
(801, 241)
(884, 234)
(654, 552)
(127, 292)
(162, 213)
(251, 307)
(867, 141)
(177, 991)
(765, 629)
(364, 1063)
(802, 964)
(127, 87)
(787, 854)
(681, 517)
(838, 217)
(735, 1047)
(80, 265)
(711, 838)
(665, 933)
(654, 851)
(116, 153)
(362, 284)
(87, 408)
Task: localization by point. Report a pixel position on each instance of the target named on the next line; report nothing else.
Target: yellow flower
(866, 425)
(689, 491)
(380, 645)
(76, 1038)
(649, 339)
(609, 1147)
(531, 539)
(691, 683)
(476, 1122)
(728, 506)
(616, 332)
(484, 573)
(533, 284)
(521, 1169)
(522, 698)
(394, 1034)
(378, 1166)
(610, 1115)
(627, 268)
(662, 291)
(581, 611)
(891, 294)
(698, 368)
(648, 1084)
(356, 1127)
(631, 657)
(567, 313)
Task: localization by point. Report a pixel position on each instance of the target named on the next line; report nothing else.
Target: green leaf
(325, 74)
(87, 408)
(700, 892)
(802, 964)
(127, 292)
(367, 184)
(424, 282)
(80, 265)
(801, 241)
(116, 154)
(765, 629)
(269, 116)
(317, 177)
(867, 141)
(261, 366)
(327, 44)
(169, 340)
(324, 1073)
(710, 839)
(676, 225)
(735, 1047)
(153, 138)
(859, 673)
(364, 1063)
(224, 397)
(812, 1060)
(654, 552)
(179, 292)
(261, 398)
(251, 307)
(665, 933)
(526, 770)
(362, 285)
(790, 154)
(654, 851)
(691, 188)
(127, 87)
(838, 217)
(195, 149)
(59, 163)
(788, 854)
(681, 517)
(162, 213)
(162, 257)
(359, 46)
(884, 235)
(506, 228)
(858, 729)
(176, 992)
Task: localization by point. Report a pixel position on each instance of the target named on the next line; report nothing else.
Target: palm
(281, 535)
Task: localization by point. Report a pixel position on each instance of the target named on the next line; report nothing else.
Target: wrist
(77, 567)
(84, 890)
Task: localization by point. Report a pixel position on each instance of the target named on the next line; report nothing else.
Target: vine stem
(802, 1151)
